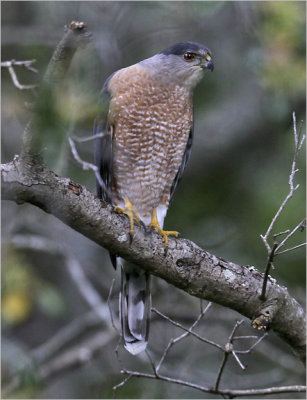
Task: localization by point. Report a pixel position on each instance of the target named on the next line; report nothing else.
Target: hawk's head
(183, 63)
(190, 55)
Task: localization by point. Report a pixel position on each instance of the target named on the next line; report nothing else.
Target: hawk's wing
(103, 146)
(104, 150)
(185, 159)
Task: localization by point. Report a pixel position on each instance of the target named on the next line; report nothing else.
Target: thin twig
(109, 306)
(280, 233)
(267, 271)
(88, 138)
(122, 383)
(10, 66)
(179, 338)
(298, 226)
(292, 248)
(86, 289)
(228, 350)
(27, 64)
(298, 142)
(64, 336)
(187, 330)
(234, 353)
(245, 337)
(226, 392)
(86, 166)
(253, 346)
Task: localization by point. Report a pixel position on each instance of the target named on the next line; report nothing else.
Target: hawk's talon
(130, 211)
(155, 225)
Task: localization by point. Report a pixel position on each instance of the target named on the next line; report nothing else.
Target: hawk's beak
(208, 65)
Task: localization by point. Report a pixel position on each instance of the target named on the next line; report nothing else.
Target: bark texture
(185, 265)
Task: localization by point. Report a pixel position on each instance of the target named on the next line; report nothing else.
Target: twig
(298, 142)
(238, 359)
(86, 289)
(226, 392)
(77, 356)
(109, 306)
(228, 350)
(153, 366)
(88, 138)
(292, 248)
(64, 336)
(10, 66)
(122, 383)
(187, 330)
(267, 271)
(253, 346)
(299, 226)
(184, 335)
(27, 64)
(86, 166)
(280, 233)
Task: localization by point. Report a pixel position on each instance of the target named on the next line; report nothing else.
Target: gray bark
(185, 265)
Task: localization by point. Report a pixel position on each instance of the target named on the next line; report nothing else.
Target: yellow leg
(131, 212)
(165, 234)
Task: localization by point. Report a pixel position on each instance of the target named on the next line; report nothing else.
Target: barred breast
(151, 125)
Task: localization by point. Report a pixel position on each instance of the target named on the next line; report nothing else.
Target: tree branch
(186, 265)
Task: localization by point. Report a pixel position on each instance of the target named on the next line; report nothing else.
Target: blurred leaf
(51, 301)
(16, 307)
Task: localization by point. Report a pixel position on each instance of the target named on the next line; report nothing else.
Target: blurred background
(57, 338)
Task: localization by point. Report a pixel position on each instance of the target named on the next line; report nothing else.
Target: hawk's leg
(130, 211)
(165, 234)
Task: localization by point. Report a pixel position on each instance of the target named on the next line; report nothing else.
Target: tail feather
(135, 305)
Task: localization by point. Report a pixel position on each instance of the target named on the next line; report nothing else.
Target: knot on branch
(261, 323)
(77, 25)
(264, 318)
(75, 188)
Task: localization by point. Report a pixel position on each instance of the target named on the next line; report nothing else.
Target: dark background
(234, 183)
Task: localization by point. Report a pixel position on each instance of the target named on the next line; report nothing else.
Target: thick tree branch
(74, 37)
(186, 265)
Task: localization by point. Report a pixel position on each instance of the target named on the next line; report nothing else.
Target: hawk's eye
(189, 56)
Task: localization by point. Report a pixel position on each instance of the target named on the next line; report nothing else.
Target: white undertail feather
(135, 299)
(135, 306)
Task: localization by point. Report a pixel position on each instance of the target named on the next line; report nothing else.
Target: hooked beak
(208, 65)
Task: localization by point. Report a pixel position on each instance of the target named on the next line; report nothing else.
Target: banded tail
(134, 306)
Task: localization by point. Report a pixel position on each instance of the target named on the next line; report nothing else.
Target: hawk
(144, 135)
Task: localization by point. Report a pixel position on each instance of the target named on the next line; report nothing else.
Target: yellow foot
(165, 234)
(131, 212)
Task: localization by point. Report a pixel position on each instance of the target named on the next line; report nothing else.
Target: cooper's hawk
(145, 132)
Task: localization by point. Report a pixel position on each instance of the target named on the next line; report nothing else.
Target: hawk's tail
(135, 306)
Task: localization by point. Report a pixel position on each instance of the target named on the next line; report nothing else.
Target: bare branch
(86, 166)
(265, 238)
(267, 271)
(225, 392)
(109, 306)
(185, 265)
(187, 330)
(253, 346)
(291, 249)
(184, 335)
(298, 226)
(64, 336)
(228, 350)
(88, 138)
(298, 144)
(10, 66)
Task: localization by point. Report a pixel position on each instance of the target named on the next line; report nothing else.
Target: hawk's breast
(151, 125)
